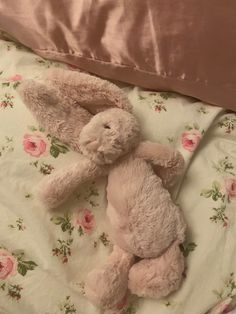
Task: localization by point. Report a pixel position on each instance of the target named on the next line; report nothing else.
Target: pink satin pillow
(187, 46)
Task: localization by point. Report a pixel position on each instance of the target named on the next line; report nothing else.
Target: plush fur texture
(55, 113)
(144, 221)
(102, 140)
(137, 199)
(59, 186)
(156, 277)
(108, 284)
(87, 91)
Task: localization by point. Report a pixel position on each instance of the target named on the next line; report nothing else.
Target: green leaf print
(6, 101)
(228, 123)
(81, 285)
(104, 239)
(170, 139)
(167, 95)
(8, 146)
(129, 310)
(6, 84)
(67, 307)
(216, 195)
(22, 269)
(14, 292)
(194, 126)
(206, 193)
(141, 97)
(16, 84)
(19, 225)
(186, 248)
(224, 166)
(57, 148)
(43, 62)
(57, 220)
(203, 110)
(24, 266)
(80, 231)
(32, 128)
(63, 249)
(54, 151)
(159, 108)
(214, 192)
(64, 222)
(220, 215)
(188, 127)
(229, 289)
(46, 168)
(12, 82)
(90, 193)
(167, 303)
(43, 167)
(16, 46)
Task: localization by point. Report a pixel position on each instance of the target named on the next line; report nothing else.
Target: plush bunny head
(89, 114)
(109, 135)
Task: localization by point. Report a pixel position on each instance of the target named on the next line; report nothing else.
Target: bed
(45, 256)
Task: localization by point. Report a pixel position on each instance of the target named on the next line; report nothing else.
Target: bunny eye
(106, 126)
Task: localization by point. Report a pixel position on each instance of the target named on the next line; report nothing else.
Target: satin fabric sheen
(186, 46)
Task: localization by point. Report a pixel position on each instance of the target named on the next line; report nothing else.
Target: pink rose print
(15, 78)
(228, 308)
(8, 264)
(191, 139)
(223, 307)
(35, 144)
(86, 220)
(230, 186)
(122, 304)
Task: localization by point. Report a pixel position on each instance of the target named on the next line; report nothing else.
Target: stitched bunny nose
(92, 145)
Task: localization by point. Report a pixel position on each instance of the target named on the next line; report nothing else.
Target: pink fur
(87, 91)
(156, 277)
(106, 286)
(56, 114)
(143, 218)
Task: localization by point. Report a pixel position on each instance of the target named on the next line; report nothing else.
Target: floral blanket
(45, 256)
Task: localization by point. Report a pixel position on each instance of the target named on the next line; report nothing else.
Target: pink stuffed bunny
(146, 226)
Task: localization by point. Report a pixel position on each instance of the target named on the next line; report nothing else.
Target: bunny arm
(158, 154)
(57, 187)
(167, 163)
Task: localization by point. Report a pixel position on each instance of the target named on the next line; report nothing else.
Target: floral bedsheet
(45, 256)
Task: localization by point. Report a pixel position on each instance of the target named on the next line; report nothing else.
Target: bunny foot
(107, 287)
(158, 277)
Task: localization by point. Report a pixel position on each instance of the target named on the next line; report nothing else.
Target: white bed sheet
(45, 256)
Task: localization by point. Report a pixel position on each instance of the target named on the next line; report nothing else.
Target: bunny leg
(158, 277)
(107, 287)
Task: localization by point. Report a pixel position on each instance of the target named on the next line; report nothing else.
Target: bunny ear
(67, 101)
(54, 113)
(90, 92)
